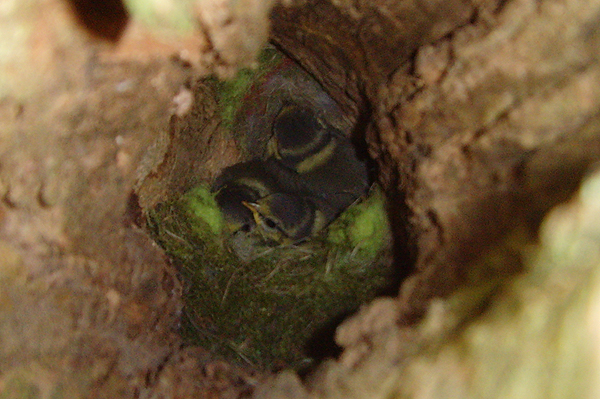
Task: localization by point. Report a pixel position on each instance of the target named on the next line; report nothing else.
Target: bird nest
(275, 304)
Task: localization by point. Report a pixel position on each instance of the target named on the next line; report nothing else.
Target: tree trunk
(481, 117)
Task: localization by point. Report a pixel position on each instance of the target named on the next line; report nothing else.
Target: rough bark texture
(89, 304)
(481, 116)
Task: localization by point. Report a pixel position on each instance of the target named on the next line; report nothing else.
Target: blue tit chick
(237, 217)
(248, 182)
(323, 156)
(287, 218)
(300, 141)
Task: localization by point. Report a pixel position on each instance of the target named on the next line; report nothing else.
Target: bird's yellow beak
(273, 148)
(254, 208)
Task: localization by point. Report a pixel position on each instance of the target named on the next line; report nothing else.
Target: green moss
(231, 92)
(202, 207)
(261, 312)
(364, 226)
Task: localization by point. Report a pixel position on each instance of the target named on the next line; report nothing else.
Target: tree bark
(481, 116)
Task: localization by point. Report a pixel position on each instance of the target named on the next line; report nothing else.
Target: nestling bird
(324, 157)
(312, 173)
(249, 182)
(300, 141)
(230, 199)
(288, 218)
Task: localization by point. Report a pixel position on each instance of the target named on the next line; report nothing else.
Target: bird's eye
(270, 223)
(245, 228)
